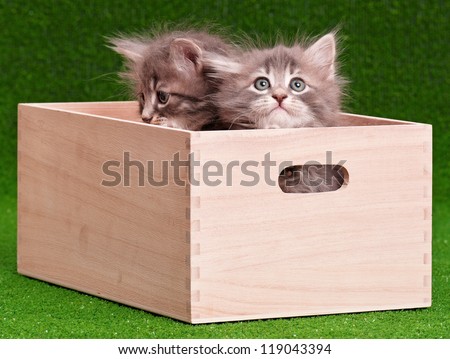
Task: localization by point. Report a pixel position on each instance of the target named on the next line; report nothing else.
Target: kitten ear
(218, 65)
(323, 53)
(131, 49)
(186, 54)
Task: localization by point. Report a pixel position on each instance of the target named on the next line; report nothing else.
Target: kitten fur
(168, 76)
(276, 104)
(311, 178)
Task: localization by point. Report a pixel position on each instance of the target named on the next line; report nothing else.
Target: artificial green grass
(396, 56)
(34, 309)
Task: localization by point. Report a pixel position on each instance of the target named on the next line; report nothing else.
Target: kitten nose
(147, 118)
(279, 97)
(147, 115)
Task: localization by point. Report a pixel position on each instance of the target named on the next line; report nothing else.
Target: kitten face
(280, 87)
(168, 97)
(169, 79)
(276, 93)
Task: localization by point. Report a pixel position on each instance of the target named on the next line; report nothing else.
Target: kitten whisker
(241, 120)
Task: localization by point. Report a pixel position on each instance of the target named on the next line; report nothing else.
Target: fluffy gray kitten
(168, 76)
(280, 87)
(284, 87)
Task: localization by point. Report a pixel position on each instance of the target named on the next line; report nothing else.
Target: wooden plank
(348, 119)
(124, 110)
(123, 243)
(263, 253)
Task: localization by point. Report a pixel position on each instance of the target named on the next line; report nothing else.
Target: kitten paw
(160, 121)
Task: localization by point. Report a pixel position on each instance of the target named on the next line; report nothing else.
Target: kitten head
(168, 77)
(294, 86)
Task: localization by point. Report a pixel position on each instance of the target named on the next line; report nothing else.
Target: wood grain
(127, 244)
(204, 253)
(263, 253)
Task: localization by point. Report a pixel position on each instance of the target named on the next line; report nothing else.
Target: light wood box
(202, 253)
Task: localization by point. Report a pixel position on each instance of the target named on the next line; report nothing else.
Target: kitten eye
(163, 97)
(262, 83)
(141, 97)
(297, 84)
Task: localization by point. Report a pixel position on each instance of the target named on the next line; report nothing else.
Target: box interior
(129, 111)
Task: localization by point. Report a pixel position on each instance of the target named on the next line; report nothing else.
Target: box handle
(313, 178)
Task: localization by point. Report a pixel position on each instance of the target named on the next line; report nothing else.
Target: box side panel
(85, 221)
(262, 253)
(348, 119)
(125, 110)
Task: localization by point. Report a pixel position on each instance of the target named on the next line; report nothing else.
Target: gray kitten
(168, 76)
(280, 87)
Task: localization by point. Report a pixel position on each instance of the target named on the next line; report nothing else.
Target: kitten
(281, 87)
(169, 78)
(312, 178)
(285, 87)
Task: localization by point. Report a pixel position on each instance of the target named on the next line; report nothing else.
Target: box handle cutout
(312, 178)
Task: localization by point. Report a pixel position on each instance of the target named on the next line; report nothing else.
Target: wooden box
(215, 243)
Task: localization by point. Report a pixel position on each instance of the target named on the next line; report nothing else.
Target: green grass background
(396, 56)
